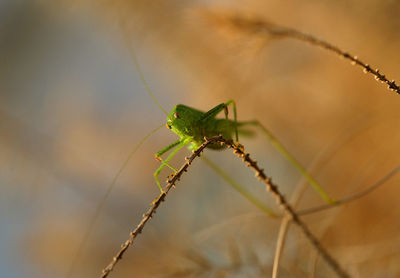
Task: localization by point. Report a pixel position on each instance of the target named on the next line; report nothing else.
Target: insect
(192, 125)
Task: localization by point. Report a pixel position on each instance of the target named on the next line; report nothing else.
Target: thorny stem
(154, 205)
(271, 187)
(259, 26)
(286, 219)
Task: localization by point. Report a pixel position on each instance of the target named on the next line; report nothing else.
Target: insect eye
(176, 115)
(168, 126)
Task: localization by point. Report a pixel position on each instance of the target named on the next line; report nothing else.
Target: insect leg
(292, 160)
(167, 148)
(217, 109)
(163, 162)
(234, 116)
(164, 150)
(238, 187)
(180, 144)
(100, 206)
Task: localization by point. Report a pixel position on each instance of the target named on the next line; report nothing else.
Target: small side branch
(353, 197)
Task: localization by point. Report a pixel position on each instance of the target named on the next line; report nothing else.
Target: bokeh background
(73, 107)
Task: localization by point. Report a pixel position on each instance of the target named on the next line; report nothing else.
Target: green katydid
(192, 126)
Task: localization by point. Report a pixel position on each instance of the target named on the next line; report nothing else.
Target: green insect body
(188, 122)
(192, 125)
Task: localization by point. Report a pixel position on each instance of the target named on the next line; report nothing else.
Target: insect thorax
(189, 123)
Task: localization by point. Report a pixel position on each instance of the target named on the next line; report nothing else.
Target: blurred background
(73, 107)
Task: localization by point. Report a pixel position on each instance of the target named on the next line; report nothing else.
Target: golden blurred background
(73, 107)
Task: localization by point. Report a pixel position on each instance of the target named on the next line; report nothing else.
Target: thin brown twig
(284, 228)
(314, 265)
(280, 243)
(354, 196)
(318, 162)
(262, 26)
(271, 187)
(154, 205)
(286, 219)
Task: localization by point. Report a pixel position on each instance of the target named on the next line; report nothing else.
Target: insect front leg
(180, 144)
(164, 150)
(217, 109)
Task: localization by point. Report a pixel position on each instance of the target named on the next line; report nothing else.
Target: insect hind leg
(233, 103)
(217, 109)
(292, 160)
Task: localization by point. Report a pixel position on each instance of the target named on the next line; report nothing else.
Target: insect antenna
(125, 163)
(132, 53)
